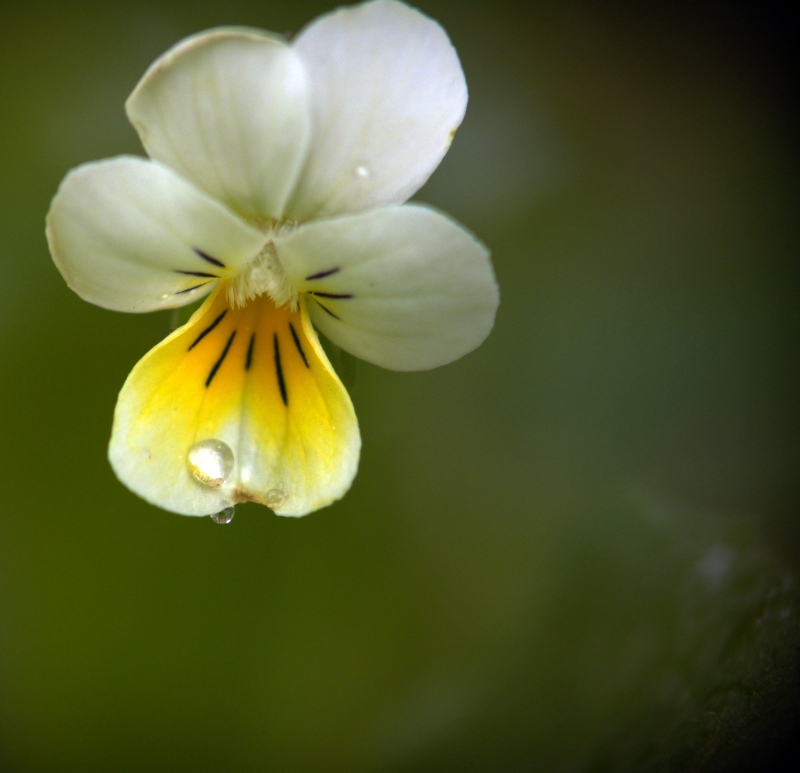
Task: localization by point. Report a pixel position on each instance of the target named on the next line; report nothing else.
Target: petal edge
(129, 234)
(229, 110)
(387, 95)
(406, 288)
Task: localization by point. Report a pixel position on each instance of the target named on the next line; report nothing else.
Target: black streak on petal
(325, 308)
(207, 330)
(221, 359)
(323, 274)
(208, 258)
(249, 361)
(279, 370)
(197, 273)
(189, 289)
(298, 345)
(330, 295)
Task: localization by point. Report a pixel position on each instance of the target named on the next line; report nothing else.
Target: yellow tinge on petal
(240, 404)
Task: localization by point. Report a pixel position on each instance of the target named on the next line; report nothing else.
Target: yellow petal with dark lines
(254, 380)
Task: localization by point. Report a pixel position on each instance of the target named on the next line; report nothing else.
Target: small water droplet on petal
(275, 497)
(211, 462)
(362, 172)
(224, 517)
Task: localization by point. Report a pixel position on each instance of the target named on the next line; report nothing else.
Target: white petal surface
(131, 235)
(229, 110)
(403, 287)
(388, 93)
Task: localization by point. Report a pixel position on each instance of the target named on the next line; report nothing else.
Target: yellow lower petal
(240, 404)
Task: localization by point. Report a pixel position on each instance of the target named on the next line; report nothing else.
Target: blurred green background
(576, 549)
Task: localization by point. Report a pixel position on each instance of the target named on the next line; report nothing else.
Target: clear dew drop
(275, 497)
(224, 517)
(211, 462)
(362, 172)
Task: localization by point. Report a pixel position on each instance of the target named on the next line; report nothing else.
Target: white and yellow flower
(276, 185)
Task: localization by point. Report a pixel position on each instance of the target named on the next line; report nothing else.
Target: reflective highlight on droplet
(211, 462)
(224, 517)
(275, 497)
(362, 172)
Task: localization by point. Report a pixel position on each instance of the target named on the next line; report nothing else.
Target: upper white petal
(127, 234)
(403, 287)
(229, 110)
(388, 93)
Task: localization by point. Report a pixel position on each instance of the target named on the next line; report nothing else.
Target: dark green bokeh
(575, 549)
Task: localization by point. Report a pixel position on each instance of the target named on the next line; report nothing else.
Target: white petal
(251, 385)
(403, 287)
(229, 110)
(131, 235)
(388, 93)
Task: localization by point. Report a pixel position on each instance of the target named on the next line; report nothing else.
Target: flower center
(264, 274)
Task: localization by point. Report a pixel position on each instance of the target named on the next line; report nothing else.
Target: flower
(275, 185)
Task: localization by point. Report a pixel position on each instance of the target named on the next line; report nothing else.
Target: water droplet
(362, 172)
(224, 517)
(211, 462)
(275, 497)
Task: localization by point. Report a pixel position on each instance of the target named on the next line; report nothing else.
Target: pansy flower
(276, 186)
